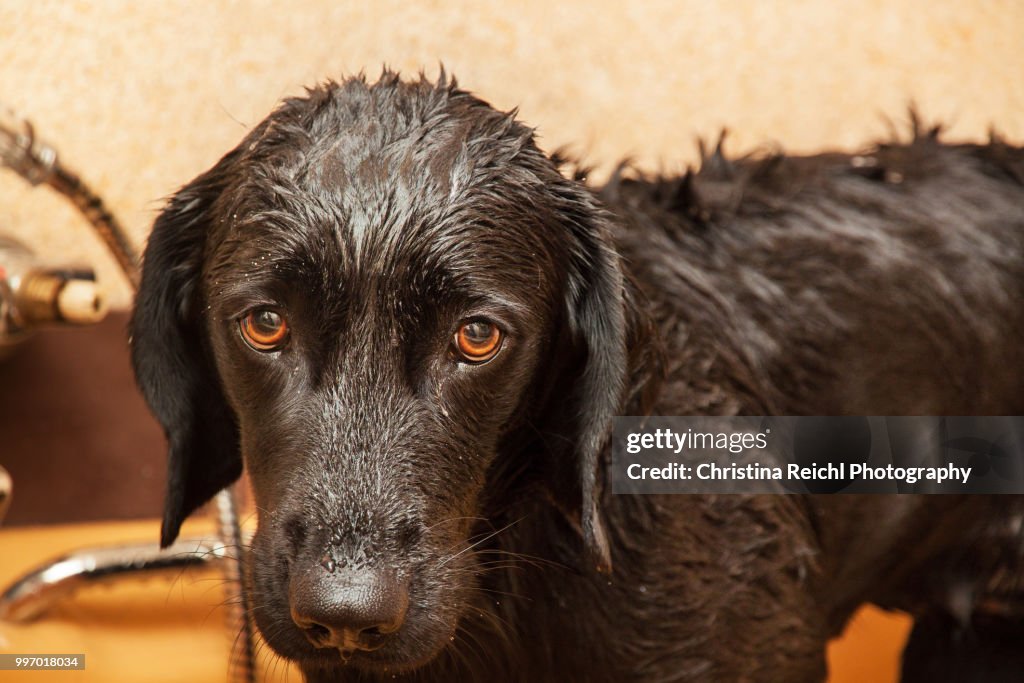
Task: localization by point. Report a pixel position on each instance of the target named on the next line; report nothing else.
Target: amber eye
(478, 341)
(264, 329)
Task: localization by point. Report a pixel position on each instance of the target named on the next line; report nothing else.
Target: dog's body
(466, 497)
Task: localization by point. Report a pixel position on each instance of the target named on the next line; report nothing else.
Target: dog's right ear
(172, 363)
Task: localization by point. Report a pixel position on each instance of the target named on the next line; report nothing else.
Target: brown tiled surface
(75, 434)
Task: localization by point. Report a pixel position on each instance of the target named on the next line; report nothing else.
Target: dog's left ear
(596, 313)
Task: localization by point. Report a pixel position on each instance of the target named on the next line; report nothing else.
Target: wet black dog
(415, 331)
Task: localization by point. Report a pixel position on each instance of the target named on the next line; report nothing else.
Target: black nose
(348, 609)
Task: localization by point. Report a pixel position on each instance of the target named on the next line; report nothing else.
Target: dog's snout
(348, 609)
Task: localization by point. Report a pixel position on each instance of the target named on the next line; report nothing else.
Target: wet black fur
(379, 216)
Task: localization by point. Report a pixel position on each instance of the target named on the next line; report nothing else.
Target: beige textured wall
(142, 96)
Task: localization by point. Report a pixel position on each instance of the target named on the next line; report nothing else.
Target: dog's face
(396, 310)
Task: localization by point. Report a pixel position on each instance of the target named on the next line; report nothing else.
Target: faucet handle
(61, 296)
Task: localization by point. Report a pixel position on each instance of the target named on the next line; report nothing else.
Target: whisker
(475, 544)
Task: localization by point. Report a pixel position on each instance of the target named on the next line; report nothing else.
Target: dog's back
(885, 283)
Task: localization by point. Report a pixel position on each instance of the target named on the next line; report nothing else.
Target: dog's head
(383, 300)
